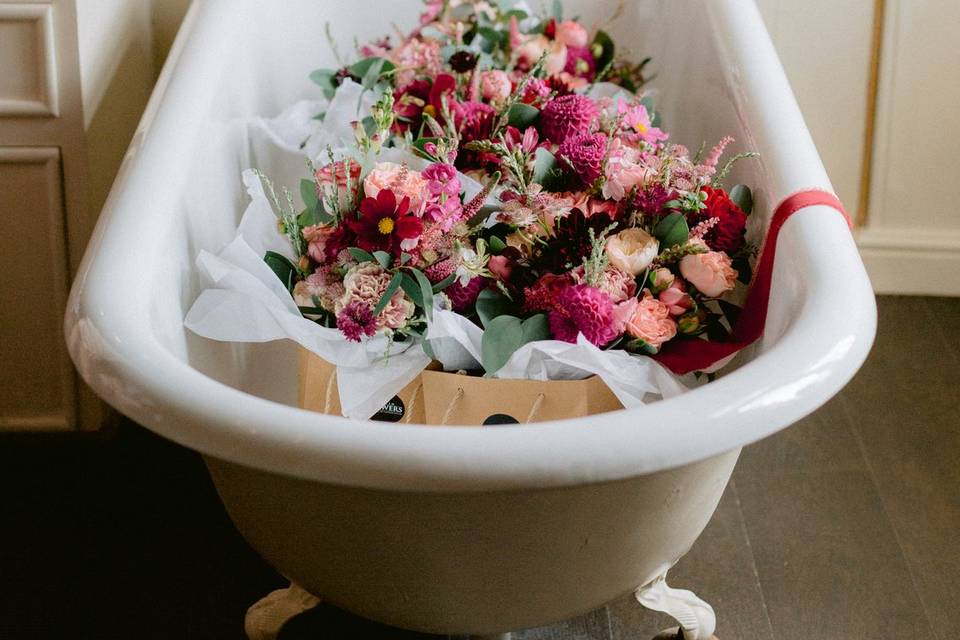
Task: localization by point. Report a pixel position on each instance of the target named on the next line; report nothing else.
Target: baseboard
(912, 262)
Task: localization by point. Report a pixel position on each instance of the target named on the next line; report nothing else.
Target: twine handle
(328, 396)
(453, 403)
(534, 409)
(413, 403)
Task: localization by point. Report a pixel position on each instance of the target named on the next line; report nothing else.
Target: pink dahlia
(584, 153)
(474, 120)
(583, 309)
(356, 320)
(566, 116)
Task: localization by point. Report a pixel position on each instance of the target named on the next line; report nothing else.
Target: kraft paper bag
(456, 399)
(318, 392)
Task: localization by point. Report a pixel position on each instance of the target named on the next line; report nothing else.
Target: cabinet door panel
(37, 386)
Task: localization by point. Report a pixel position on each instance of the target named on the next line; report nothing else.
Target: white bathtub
(450, 529)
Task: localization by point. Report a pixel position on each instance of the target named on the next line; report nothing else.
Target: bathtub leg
(696, 617)
(267, 616)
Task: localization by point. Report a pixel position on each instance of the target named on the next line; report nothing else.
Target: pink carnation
(617, 284)
(367, 283)
(584, 153)
(583, 309)
(567, 115)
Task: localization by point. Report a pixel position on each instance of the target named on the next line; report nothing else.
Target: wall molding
(44, 67)
(912, 261)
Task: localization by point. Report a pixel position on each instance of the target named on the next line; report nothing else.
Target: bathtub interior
(262, 67)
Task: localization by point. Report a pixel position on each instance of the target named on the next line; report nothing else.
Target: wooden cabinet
(44, 214)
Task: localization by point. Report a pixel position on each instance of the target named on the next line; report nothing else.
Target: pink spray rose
(399, 179)
(571, 34)
(676, 298)
(651, 322)
(711, 272)
(495, 85)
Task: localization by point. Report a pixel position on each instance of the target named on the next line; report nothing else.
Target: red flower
(443, 84)
(409, 102)
(383, 223)
(728, 234)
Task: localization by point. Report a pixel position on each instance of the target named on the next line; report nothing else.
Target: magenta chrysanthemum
(566, 116)
(584, 153)
(356, 320)
(461, 296)
(583, 309)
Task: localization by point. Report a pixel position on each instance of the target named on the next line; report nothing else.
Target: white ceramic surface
(179, 191)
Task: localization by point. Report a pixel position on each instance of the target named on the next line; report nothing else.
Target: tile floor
(846, 525)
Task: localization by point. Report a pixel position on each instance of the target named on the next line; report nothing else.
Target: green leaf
(647, 102)
(281, 266)
(558, 10)
(420, 143)
(384, 258)
(549, 172)
(500, 340)
(535, 328)
(671, 231)
(491, 304)
(388, 294)
(369, 70)
(412, 289)
(308, 192)
(742, 197)
(602, 49)
(426, 292)
(360, 255)
(443, 284)
(327, 79)
(522, 115)
(405, 257)
(496, 244)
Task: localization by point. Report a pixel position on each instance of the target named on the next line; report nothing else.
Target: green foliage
(370, 70)
(505, 334)
(491, 304)
(522, 115)
(327, 80)
(602, 49)
(360, 255)
(284, 269)
(388, 293)
(548, 171)
(742, 197)
(671, 231)
(384, 259)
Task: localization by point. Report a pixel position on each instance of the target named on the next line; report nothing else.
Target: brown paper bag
(454, 399)
(318, 392)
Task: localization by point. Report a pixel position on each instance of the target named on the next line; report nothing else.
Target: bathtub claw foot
(267, 616)
(696, 617)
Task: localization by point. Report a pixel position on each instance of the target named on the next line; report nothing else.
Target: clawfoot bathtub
(451, 529)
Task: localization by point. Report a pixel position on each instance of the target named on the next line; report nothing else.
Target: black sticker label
(501, 418)
(390, 412)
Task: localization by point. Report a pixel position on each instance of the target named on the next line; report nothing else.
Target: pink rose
(632, 250)
(334, 176)
(661, 279)
(530, 51)
(711, 272)
(496, 85)
(651, 322)
(500, 267)
(571, 33)
(316, 237)
(676, 298)
(399, 179)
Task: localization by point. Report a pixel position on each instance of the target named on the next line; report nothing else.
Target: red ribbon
(686, 355)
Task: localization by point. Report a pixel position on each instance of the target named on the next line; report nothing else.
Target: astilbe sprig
(676, 253)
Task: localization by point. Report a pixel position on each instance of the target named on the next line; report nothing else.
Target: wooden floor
(845, 526)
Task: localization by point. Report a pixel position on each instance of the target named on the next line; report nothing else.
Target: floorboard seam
(886, 514)
(606, 610)
(942, 332)
(753, 561)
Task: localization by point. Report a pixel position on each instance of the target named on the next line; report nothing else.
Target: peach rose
(572, 34)
(316, 237)
(496, 85)
(711, 272)
(399, 179)
(632, 250)
(651, 322)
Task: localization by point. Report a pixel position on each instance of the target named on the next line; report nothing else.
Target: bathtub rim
(811, 361)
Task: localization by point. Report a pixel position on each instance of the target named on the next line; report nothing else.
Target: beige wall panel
(36, 379)
(28, 77)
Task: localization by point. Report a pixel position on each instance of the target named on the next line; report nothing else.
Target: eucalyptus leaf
(388, 293)
(426, 292)
(412, 288)
(443, 284)
(496, 244)
(282, 267)
(360, 255)
(558, 10)
(384, 258)
(491, 304)
(671, 231)
(379, 66)
(327, 80)
(500, 341)
(522, 115)
(535, 328)
(742, 197)
(308, 193)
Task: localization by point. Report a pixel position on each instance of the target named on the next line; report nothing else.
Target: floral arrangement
(494, 195)
(589, 222)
